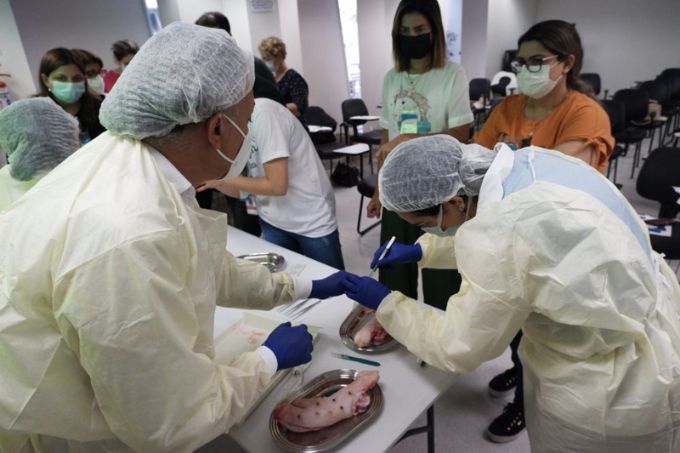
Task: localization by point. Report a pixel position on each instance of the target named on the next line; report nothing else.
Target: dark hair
(429, 9)
(124, 47)
(88, 114)
(562, 39)
(213, 19)
(86, 57)
(434, 210)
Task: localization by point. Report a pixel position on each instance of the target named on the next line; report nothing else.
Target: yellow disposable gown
(11, 189)
(599, 313)
(108, 287)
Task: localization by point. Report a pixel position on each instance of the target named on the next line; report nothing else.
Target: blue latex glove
(292, 346)
(398, 253)
(367, 291)
(334, 285)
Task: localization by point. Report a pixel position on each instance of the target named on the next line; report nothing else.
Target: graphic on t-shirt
(411, 113)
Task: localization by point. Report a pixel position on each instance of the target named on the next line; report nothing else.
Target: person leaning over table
(548, 245)
(110, 272)
(556, 110)
(36, 134)
(423, 94)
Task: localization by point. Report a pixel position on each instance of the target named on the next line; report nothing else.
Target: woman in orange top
(556, 110)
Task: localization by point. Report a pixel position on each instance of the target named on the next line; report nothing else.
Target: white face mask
(96, 84)
(450, 231)
(536, 84)
(239, 163)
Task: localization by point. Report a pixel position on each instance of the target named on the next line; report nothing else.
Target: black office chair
(658, 175)
(636, 107)
(366, 188)
(617, 120)
(657, 90)
(671, 108)
(480, 90)
(593, 79)
(357, 107)
(325, 142)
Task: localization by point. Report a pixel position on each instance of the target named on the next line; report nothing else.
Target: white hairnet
(182, 74)
(427, 171)
(37, 135)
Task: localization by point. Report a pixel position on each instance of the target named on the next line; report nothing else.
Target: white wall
(473, 41)
(289, 22)
(13, 57)
(507, 21)
(624, 40)
(90, 24)
(263, 25)
(322, 46)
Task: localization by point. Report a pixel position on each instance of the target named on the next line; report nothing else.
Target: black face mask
(415, 47)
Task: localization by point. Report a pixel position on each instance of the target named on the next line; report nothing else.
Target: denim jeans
(325, 249)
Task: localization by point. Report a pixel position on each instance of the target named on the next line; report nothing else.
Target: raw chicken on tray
(313, 414)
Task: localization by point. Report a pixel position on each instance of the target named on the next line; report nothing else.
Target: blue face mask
(438, 231)
(68, 92)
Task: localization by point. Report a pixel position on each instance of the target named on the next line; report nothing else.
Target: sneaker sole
(501, 439)
(497, 394)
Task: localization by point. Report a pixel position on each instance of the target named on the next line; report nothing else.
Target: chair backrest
(481, 87)
(353, 107)
(617, 114)
(658, 175)
(316, 116)
(675, 72)
(673, 84)
(593, 79)
(635, 102)
(656, 89)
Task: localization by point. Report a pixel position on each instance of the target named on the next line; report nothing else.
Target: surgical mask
(415, 47)
(67, 92)
(238, 164)
(536, 84)
(450, 231)
(96, 84)
(270, 64)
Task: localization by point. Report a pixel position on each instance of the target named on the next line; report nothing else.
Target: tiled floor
(465, 410)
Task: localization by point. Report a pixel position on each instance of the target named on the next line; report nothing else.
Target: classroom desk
(408, 388)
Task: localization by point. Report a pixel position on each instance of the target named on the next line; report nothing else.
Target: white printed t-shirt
(308, 208)
(425, 103)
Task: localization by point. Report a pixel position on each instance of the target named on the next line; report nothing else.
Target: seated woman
(294, 198)
(548, 245)
(93, 66)
(291, 84)
(62, 78)
(123, 52)
(37, 135)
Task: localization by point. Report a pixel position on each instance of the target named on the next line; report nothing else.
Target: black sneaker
(507, 426)
(503, 384)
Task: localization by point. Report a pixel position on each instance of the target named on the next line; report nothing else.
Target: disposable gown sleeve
(438, 252)
(130, 318)
(480, 320)
(247, 284)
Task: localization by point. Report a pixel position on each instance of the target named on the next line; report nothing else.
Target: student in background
(123, 52)
(62, 78)
(423, 94)
(93, 66)
(291, 84)
(556, 110)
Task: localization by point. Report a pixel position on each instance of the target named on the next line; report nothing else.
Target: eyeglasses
(533, 64)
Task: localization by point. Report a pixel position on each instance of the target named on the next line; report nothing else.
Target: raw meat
(313, 414)
(371, 334)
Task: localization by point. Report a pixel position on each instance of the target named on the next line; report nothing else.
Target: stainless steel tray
(355, 321)
(332, 436)
(273, 261)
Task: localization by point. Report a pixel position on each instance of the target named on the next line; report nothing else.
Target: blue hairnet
(37, 135)
(182, 74)
(426, 171)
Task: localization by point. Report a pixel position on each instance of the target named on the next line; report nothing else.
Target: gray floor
(465, 410)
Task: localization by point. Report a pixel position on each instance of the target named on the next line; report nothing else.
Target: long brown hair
(429, 9)
(89, 104)
(562, 39)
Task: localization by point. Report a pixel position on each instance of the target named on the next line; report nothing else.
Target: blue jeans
(325, 249)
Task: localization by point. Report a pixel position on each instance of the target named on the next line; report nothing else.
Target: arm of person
(438, 252)
(292, 106)
(580, 150)
(480, 320)
(139, 336)
(275, 181)
(299, 95)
